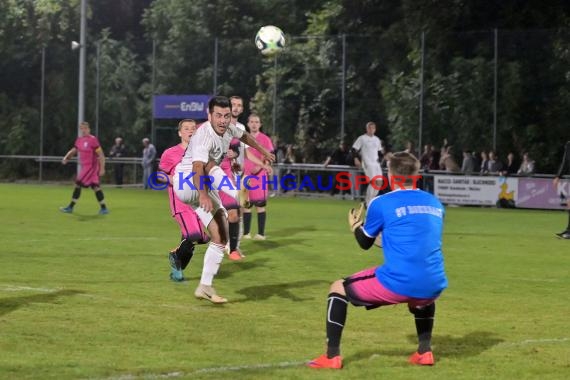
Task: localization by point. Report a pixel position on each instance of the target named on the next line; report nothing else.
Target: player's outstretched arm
(246, 138)
(72, 152)
(101, 158)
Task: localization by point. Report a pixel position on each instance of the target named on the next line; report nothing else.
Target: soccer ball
(270, 40)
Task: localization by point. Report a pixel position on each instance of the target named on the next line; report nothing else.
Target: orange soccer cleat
(324, 362)
(422, 359)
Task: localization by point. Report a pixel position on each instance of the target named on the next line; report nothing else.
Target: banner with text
(541, 193)
(180, 106)
(471, 190)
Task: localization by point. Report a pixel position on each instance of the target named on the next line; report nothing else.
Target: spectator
(148, 156)
(494, 165)
(447, 162)
(427, 157)
(341, 156)
(511, 166)
(117, 151)
(410, 149)
(468, 164)
(484, 163)
(527, 166)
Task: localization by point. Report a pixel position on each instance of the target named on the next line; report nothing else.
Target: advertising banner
(472, 190)
(541, 193)
(180, 106)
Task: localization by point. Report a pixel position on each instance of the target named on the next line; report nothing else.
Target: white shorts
(191, 197)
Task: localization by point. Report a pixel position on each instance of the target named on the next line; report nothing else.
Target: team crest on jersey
(85, 144)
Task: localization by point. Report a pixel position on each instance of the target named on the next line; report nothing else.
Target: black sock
(261, 217)
(424, 326)
(234, 235)
(101, 198)
(75, 196)
(246, 222)
(185, 251)
(336, 316)
(568, 227)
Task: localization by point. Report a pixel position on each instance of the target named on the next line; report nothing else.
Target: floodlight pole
(81, 95)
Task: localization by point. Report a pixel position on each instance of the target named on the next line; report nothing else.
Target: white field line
(16, 288)
(531, 342)
(171, 375)
(107, 238)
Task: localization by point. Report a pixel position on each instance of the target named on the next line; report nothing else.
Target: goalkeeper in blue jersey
(564, 166)
(411, 223)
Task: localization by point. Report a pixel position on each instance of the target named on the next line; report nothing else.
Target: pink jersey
(168, 161)
(264, 141)
(88, 160)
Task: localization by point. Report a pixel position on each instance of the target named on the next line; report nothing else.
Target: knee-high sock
(424, 326)
(220, 178)
(75, 196)
(101, 198)
(234, 235)
(336, 317)
(212, 260)
(261, 218)
(246, 222)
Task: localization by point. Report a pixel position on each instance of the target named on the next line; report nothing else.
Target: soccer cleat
(103, 211)
(324, 362)
(564, 234)
(259, 237)
(236, 255)
(422, 359)
(66, 210)
(207, 292)
(246, 237)
(176, 273)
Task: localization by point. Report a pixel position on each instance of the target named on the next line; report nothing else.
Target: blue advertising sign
(180, 106)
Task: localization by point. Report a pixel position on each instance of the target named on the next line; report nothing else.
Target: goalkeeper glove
(355, 217)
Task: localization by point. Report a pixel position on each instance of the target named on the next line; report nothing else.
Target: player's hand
(64, 161)
(268, 169)
(355, 217)
(555, 181)
(269, 157)
(206, 202)
(101, 172)
(231, 154)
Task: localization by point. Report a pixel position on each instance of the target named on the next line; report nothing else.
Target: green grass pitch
(84, 296)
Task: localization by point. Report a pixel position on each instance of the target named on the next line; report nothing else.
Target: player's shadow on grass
(289, 290)
(11, 304)
(444, 346)
(289, 231)
(87, 217)
(229, 268)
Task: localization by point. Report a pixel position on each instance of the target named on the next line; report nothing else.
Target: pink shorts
(364, 289)
(191, 227)
(88, 176)
(259, 191)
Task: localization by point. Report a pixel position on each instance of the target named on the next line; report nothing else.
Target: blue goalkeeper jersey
(411, 223)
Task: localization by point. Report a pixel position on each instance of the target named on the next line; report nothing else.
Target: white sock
(220, 178)
(212, 260)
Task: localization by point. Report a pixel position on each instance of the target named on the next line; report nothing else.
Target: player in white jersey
(368, 146)
(205, 152)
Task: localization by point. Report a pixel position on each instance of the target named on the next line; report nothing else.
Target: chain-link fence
(481, 90)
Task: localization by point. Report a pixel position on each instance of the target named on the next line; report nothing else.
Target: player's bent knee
(259, 203)
(423, 312)
(338, 287)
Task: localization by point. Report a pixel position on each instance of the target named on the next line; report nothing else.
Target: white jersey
(206, 145)
(368, 147)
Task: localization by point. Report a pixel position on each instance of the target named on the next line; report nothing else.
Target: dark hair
(219, 101)
(404, 164)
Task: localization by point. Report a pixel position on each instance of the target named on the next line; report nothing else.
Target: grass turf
(88, 296)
